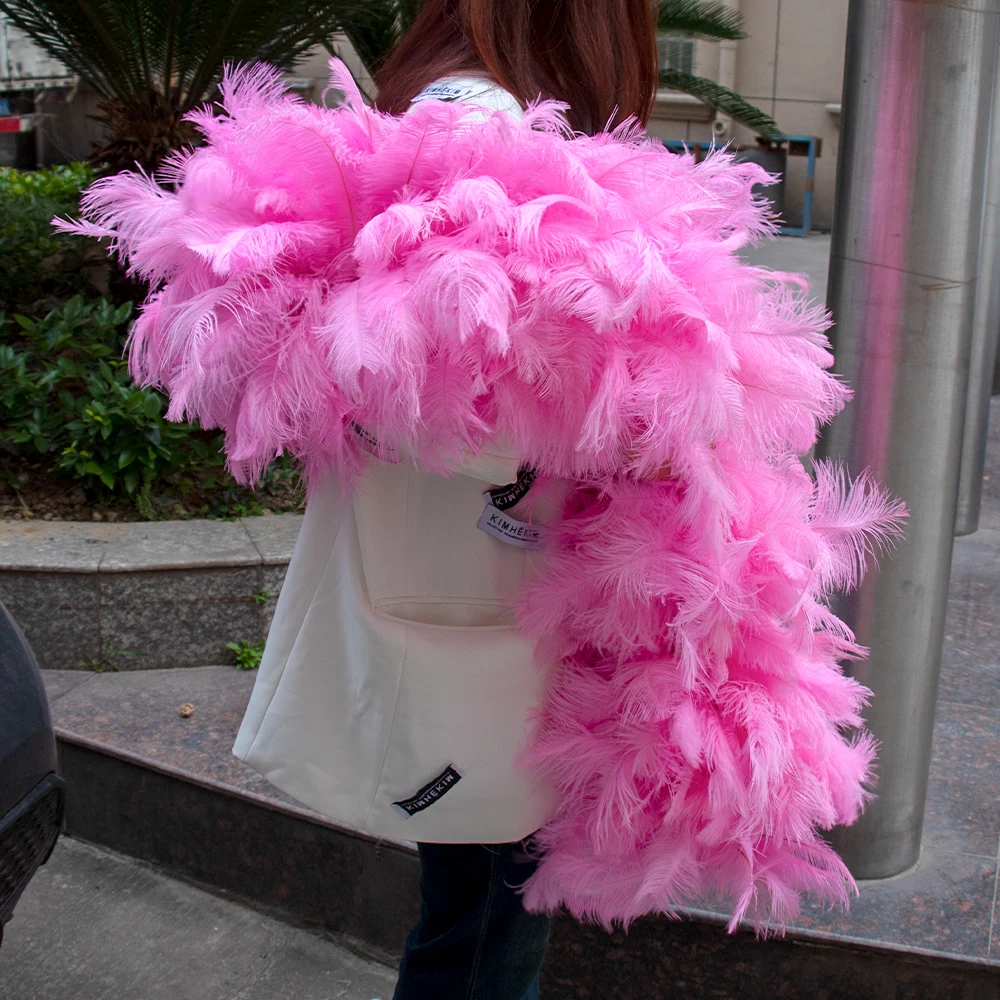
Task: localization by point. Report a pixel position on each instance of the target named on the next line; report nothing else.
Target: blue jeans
(474, 940)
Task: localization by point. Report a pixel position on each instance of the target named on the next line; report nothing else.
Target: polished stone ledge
(143, 595)
(150, 783)
(77, 547)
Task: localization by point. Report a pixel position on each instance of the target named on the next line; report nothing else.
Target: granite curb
(143, 546)
(142, 596)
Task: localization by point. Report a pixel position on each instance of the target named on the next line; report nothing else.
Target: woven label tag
(451, 90)
(508, 529)
(431, 792)
(505, 497)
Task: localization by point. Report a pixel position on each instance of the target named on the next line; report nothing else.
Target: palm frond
(154, 60)
(126, 48)
(373, 28)
(722, 99)
(275, 31)
(707, 19)
(408, 11)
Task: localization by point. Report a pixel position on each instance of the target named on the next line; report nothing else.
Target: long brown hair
(597, 55)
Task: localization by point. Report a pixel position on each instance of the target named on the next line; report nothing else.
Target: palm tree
(152, 61)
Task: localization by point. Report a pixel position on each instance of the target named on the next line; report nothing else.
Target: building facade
(791, 66)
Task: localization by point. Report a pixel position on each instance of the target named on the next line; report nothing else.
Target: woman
(474, 937)
(425, 562)
(542, 378)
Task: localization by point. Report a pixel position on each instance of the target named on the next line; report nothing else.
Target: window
(676, 53)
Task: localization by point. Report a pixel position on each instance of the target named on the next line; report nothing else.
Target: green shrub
(66, 393)
(66, 397)
(38, 266)
(67, 401)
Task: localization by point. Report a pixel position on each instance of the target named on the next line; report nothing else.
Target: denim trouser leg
(474, 941)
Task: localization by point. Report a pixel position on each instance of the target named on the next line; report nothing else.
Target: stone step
(152, 784)
(145, 781)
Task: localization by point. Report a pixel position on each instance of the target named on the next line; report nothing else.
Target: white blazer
(394, 693)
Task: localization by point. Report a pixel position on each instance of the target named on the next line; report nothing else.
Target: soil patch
(42, 496)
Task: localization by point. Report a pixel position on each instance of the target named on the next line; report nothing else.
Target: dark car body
(31, 793)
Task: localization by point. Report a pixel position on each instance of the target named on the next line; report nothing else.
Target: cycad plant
(152, 61)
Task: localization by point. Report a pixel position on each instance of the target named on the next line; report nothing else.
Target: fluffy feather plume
(446, 278)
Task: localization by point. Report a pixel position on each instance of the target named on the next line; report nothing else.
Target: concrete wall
(68, 132)
(790, 66)
(679, 116)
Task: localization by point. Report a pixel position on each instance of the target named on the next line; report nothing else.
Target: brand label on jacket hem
(431, 792)
(508, 529)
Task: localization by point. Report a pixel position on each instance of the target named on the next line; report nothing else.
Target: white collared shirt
(481, 90)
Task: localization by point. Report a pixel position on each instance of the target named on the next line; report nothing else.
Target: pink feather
(442, 279)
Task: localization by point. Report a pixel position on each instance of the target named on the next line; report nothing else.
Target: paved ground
(98, 926)
(808, 255)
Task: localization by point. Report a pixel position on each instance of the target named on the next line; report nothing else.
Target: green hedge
(38, 266)
(66, 398)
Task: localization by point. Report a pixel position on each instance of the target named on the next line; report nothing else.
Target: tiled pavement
(94, 925)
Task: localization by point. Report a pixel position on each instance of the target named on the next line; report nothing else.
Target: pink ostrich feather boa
(451, 276)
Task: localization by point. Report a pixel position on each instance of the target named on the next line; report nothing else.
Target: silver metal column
(985, 331)
(918, 82)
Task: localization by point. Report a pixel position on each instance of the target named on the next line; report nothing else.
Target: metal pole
(985, 331)
(902, 283)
